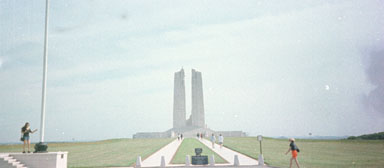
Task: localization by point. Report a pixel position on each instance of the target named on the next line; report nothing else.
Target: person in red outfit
(294, 149)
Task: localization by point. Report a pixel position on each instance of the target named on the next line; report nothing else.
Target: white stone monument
(195, 124)
(179, 100)
(198, 119)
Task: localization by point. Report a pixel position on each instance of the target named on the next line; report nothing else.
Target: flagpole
(41, 146)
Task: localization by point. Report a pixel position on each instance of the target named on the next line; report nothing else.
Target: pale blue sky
(269, 67)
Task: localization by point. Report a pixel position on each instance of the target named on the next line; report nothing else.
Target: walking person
(213, 140)
(221, 141)
(25, 130)
(294, 149)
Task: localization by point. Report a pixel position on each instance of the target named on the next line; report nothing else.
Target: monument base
(42, 160)
(188, 132)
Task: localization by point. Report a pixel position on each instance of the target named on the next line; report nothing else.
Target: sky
(275, 68)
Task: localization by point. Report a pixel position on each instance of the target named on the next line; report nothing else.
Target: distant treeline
(374, 136)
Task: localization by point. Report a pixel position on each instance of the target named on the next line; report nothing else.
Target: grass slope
(115, 152)
(188, 148)
(314, 153)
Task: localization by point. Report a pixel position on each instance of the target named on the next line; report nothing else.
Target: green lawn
(188, 148)
(314, 153)
(115, 152)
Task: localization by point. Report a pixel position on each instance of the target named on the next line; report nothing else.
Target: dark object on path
(199, 159)
(41, 147)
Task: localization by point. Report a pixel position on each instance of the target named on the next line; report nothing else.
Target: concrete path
(229, 154)
(167, 151)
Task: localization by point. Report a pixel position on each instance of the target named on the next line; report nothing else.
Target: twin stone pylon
(197, 118)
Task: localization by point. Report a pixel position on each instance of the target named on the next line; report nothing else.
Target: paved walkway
(229, 154)
(167, 151)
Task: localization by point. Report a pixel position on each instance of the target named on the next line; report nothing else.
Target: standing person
(201, 135)
(294, 149)
(178, 137)
(221, 141)
(181, 136)
(213, 140)
(25, 132)
(198, 135)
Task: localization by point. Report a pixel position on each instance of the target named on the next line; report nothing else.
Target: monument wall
(231, 133)
(153, 135)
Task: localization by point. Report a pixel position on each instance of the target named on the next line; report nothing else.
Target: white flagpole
(42, 122)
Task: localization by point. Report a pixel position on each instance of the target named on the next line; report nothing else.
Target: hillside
(375, 136)
(313, 153)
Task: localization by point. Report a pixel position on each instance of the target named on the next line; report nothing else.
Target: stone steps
(7, 161)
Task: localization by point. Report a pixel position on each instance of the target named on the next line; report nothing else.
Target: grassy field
(314, 153)
(188, 148)
(116, 152)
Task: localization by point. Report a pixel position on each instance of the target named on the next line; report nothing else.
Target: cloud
(375, 73)
(65, 29)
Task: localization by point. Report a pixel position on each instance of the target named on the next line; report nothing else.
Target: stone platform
(188, 132)
(37, 160)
